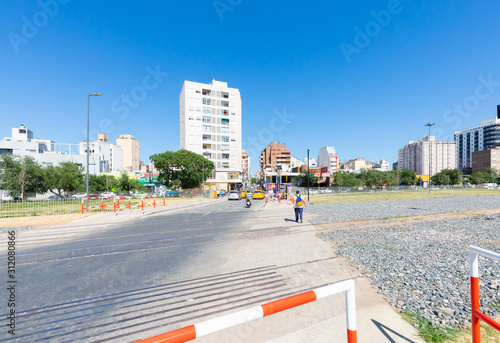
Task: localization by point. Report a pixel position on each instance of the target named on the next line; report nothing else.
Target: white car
(108, 195)
(234, 195)
(6, 197)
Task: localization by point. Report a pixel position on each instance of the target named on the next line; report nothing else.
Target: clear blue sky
(365, 95)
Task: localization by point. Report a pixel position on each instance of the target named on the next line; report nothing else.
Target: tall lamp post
(88, 120)
(430, 161)
(308, 176)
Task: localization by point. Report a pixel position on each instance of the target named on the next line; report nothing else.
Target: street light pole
(88, 121)
(429, 141)
(308, 175)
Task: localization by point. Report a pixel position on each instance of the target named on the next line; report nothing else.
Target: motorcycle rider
(249, 196)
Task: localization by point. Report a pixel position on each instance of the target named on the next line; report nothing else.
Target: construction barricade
(125, 204)
(477, 315)
(192, 332)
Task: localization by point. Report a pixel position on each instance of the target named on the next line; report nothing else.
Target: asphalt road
(103, 283)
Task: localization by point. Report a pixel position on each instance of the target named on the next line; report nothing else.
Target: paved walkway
(309, 262)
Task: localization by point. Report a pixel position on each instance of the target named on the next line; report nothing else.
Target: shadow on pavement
(384, 330)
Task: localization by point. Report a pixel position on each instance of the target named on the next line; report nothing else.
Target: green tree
(126, 184)
(66, 177)
(407, 177)
(253, 180)
(392, 178)
(446, 177)
(21, 175)
(183, 165)
(303, 176)
(97, 183)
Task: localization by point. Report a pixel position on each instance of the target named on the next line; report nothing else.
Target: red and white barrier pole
(192, 332)
(477, 315)
(82, 208)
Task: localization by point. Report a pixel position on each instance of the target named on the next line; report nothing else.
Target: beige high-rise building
(415, 156)
(130, 147)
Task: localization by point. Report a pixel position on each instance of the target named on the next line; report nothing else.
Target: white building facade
(104, 156)
(210, 125)
(327, 157)
(415, 156)
(46, 152)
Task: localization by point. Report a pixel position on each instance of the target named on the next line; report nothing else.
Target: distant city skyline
(361, 77)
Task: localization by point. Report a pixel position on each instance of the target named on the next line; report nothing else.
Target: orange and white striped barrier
(192, 332)
(477, 315)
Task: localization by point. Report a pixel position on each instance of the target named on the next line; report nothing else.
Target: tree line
(376, 178)
(20, 175)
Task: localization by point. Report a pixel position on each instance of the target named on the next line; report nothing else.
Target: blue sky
(364, 77)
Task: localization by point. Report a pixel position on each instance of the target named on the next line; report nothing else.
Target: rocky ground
(422, 266)
(341, 212)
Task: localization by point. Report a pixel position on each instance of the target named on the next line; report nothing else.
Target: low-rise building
(481, 160)
(102, 157)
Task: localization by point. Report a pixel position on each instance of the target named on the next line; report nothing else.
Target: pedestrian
(299, 204)
(222, 194)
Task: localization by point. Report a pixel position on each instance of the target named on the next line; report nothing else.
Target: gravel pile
(392, 208)
(424, 267)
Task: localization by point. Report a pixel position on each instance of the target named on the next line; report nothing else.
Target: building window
(233, 114)
(207, 119)
(207, 111)
(206, 128)
(224, 121)
(225, 147)
(198, 91)
(191, 118)
(225, 138)
(206, 101)
(224, 130)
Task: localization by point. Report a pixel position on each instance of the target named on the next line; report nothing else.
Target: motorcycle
(249, 202)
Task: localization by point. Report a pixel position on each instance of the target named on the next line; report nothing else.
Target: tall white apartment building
(210, 125)
(415, 156)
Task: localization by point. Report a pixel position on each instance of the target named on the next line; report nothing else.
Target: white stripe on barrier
(227, 321)
(221, 323)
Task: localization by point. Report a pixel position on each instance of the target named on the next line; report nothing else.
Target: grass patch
(397, 195)
(427, 331)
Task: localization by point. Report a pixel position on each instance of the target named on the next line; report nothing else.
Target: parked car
(234, 195)
(7, 197)
(174, 193)
(54, 198)
(258, 195)
(108, 195)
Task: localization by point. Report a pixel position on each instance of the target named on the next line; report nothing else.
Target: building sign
(148, 179)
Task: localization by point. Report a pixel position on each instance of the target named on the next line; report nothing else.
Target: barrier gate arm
(207, 327)
(476, 313)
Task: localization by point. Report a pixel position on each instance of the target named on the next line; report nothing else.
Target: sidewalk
(308, 262)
